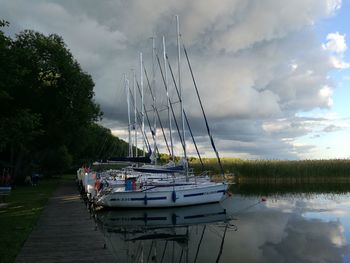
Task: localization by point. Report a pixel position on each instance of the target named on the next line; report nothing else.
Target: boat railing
(204, 173)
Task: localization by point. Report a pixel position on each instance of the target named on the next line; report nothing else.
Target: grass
(19, 213)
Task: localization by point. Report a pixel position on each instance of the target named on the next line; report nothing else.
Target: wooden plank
(65, 232)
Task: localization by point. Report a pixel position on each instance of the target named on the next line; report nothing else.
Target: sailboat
(150, 185)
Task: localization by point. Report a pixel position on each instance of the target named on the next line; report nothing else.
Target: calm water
(284, 228)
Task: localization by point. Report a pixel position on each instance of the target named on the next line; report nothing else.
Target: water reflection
(241, 229)
(163, 235)
(270, 188)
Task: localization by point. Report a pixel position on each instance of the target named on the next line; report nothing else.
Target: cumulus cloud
(336, 44)
(256, 63)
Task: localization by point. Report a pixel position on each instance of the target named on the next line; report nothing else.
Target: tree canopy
(47, 110)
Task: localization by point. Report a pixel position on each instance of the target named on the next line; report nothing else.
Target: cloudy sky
(274, 75)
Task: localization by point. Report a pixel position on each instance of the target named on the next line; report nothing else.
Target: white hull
(167, 197)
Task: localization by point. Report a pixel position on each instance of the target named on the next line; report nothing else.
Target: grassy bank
(305, 170)
(19, 213)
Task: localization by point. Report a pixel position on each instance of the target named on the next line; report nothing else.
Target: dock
(65, 232)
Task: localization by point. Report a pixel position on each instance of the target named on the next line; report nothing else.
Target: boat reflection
(300, 228)
(163, 235)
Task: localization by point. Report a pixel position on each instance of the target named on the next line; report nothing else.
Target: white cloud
(326, 93)
(335, 43)
(339, 63)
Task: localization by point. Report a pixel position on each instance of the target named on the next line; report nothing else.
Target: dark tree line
(47, 111)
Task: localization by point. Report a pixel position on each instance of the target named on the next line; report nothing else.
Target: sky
(274, 76)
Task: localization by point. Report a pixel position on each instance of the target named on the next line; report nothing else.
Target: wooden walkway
(65, 232)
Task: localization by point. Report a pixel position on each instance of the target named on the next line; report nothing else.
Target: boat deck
(65, 232)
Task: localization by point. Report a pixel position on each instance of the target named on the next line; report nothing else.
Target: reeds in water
(280, 170)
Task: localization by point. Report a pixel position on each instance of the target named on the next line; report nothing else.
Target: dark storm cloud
(255, 62)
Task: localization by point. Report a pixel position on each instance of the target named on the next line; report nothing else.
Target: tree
(46, 100)
(18, 125)
(47, 111)
(100, 144)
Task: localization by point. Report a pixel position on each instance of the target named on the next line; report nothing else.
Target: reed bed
(279, 170)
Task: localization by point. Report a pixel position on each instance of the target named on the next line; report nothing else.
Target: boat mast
(180, 91)
(168, 97)
(126, 81)
(203, 112)
(142, 108)
(154, 99)
(135, 111)
(157, 112)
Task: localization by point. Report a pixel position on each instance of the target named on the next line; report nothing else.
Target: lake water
(279, 228)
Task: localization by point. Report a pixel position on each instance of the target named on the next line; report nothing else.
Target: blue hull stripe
(148, 198)
(188, 195)
(164, 197)
(143, 218)
(142, 198)
(197, 194)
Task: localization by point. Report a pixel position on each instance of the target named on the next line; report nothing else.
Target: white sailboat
(151, 186)
(171, 195)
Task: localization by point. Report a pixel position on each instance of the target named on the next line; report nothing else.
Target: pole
(135, 111)
(168, 97)
(129, 117)
(154, 99)
(142, 107)
(180, 90)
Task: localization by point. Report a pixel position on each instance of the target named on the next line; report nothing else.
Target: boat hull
(171, 197)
